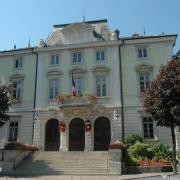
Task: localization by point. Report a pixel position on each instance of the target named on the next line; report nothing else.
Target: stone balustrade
(76, 100)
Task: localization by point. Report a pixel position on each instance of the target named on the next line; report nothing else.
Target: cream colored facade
(21, 110)
(107, 62)
(159, 51)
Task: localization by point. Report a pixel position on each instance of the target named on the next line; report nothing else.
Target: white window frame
(54, 57)
(75, 57)
(143, 68)
(79, 87)
(20, 89)
(14, 130)
(54, 90)
(144, 55)
(19, 62)
(146, 83)
(100, 60)
(149, 135)
(101, 76)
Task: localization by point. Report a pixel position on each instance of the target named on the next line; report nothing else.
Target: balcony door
(76, 135)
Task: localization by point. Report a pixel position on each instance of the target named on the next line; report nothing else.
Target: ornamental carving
(144, 67)
(88, 125)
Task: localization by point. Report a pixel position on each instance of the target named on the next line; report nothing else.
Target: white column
(88, 141)
(63, 141)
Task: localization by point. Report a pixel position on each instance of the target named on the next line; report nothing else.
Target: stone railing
(76, 100)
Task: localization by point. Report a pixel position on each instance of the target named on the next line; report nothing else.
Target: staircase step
(49, 162)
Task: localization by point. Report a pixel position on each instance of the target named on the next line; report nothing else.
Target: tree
(4, 103)
(162, 101)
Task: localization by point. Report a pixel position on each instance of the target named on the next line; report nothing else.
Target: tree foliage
(162, 100)
(4, 103)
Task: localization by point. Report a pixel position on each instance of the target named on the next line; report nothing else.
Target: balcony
(82, 100)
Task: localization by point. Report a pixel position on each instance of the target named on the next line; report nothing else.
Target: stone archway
(102, 134)
(52, 135)
(76, 135)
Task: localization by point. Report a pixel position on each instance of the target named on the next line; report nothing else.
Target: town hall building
(81, 88)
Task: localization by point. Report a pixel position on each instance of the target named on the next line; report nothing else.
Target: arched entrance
(52, 135)
(102, 134)
(76, 135)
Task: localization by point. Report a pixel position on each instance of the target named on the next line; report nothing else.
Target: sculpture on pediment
(42, 43)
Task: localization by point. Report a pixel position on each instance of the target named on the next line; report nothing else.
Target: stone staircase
(69, 163)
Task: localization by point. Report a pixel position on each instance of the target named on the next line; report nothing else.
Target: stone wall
(69, 113)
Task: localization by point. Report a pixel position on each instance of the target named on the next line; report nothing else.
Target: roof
(147, 37)
(89, 22)
(19, 49)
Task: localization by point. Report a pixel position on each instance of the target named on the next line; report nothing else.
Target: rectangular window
(13, 131)
(144, 81)
(79, 85)
(148, 129)
(101, 86)
(18, 63)
(76, 58)
(55, 60)
(53, 88)
(100, 56)
(17, 90)
(142, 53)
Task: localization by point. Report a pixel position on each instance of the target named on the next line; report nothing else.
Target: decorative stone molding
(17, 76)
(54, 72)
(77, 70)
(101, 68)
(71, 34)
(144, 67)
(77, 27)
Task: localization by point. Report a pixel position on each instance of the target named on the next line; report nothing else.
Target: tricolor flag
(73, 86)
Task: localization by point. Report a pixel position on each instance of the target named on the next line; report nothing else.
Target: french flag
(73, 86)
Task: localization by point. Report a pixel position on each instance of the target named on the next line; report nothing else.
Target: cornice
(150, 39)
(78, 46)
(16, 52)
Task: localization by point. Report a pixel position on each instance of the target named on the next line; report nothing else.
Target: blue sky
(20, 19)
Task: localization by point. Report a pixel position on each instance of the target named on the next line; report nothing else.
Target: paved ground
(63, 177)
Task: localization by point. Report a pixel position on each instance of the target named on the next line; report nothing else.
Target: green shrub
(178, 155)
(160, 152)
(132, 139)
(128, 159)
(140, 151)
